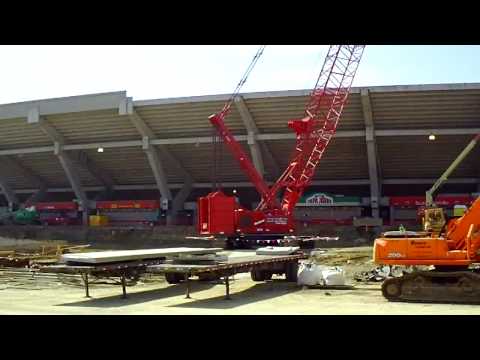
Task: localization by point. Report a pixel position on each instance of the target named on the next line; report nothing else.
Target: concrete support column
(179, 200)
(158, 173)
(374, 181)
(392, 214)
(74, 180)
(254, 144)
(256, 153)
(8, 192)
(66, 162)
(160, 179)
(156, 164)
(195, 216)
(373, 168)
(82, 159)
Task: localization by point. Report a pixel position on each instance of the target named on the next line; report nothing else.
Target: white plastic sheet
(310, 274)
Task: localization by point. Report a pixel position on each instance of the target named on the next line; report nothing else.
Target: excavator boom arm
(429, 194)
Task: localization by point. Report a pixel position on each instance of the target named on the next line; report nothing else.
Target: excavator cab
(433, 220)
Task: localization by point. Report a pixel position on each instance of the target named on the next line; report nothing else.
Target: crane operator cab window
(459, 210)
(434, 220)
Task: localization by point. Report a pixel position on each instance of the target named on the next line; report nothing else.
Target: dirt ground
(152, 295)
(27, 244)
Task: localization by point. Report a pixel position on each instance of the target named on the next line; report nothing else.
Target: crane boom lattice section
(220, 214)
(315, 130)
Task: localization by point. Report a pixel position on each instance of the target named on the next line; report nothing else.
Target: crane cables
(216, 140)
(245, 76)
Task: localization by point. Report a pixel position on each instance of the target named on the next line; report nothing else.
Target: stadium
(148, 161)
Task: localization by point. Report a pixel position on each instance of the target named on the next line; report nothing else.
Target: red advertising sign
(128, 204)
(441, 200)
(56, 206)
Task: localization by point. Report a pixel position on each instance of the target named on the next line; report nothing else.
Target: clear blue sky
(149, 72)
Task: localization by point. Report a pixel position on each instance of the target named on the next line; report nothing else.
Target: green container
(25, 217)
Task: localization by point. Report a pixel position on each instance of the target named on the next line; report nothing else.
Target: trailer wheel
(257, 275)
(174, 278)
(230, 244)
(291, 272)
(261, 275)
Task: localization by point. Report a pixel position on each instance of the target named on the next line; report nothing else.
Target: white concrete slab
(101, 257)
(277, 250)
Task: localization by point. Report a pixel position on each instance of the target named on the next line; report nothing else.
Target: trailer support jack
(187, 281)
(85, 282)
(227, 286)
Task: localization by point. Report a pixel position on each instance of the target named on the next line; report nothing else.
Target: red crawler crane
(220, 214)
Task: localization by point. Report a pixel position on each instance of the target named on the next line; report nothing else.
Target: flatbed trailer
(261, 267)
(123, 270)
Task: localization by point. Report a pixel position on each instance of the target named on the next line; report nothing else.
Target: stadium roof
(392, 121)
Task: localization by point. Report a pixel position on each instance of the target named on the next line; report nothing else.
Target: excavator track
(434, 286)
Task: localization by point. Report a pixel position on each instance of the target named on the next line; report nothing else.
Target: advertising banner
(415, 201)
(324, 199)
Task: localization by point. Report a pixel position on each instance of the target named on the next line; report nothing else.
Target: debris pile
(381, 273)
(31, 279)
(378, 274)
(43, 256)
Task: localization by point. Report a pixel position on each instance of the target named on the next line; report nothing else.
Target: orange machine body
(458, 246)
(417, 251)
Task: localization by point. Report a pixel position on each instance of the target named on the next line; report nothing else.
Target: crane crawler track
(462, 287)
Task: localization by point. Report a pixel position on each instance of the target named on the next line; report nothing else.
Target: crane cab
(433, 220)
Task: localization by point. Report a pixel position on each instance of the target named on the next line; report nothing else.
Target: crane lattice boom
(221, 214)
(315, 130)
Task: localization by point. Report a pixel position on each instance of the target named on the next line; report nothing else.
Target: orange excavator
(450, 252)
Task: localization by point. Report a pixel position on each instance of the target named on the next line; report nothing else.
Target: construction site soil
(61, 294)
(124, 237)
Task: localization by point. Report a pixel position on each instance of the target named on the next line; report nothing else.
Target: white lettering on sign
(319, 199)
(277, 220)
(395, 255)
